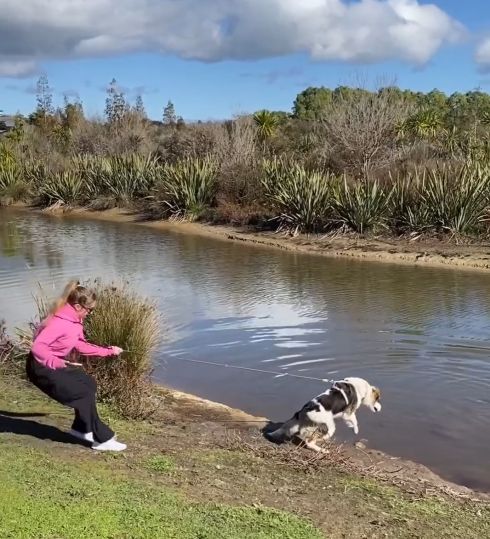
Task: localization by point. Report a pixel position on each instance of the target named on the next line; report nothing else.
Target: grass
(160, 464)
(43, 497)
(175, 482)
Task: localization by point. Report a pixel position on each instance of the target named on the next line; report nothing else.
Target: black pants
(74, 388)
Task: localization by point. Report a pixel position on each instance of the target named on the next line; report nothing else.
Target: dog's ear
(376, 394)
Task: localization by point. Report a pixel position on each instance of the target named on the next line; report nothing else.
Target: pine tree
(115, 103)
(139, 106)
(44, 97)
(169, 115)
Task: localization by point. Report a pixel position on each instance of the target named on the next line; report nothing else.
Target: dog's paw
(356, 430)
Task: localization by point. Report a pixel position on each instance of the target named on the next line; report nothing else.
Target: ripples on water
(421, 334)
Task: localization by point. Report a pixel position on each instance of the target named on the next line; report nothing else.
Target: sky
(218, 58)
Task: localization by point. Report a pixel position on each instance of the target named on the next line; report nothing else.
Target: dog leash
(251, 369)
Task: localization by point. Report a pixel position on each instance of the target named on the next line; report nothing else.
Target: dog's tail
(285, 432)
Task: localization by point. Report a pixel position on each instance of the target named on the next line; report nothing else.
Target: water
(421, 334)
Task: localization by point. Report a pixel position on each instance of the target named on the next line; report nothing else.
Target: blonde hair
(74, 294)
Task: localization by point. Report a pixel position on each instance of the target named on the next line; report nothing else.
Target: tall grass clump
(6, 347)
(125, 319)
(450, 199)
(300, 198)
(65, 187)
(13, 187)
(129, 176)
(121, 318)
(457, 197)
(408, 209)
(122, 178)
(362, 206)
(185, 189)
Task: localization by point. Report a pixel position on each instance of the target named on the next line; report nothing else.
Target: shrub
(408, 211)
(6, 347)
(362, 205)
(130, 176)
(185, 189)
(448, 198)
(66, 187)
(300, 198)
(456, 197)
(12, 184)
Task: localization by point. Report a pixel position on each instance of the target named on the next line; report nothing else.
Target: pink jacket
(63, 333)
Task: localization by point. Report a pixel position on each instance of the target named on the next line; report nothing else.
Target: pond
(421, 334)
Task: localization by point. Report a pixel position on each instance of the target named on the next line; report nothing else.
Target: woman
(49, 370)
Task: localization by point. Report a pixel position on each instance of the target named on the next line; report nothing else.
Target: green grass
(168, 486)
(43, 497)
(160, 464)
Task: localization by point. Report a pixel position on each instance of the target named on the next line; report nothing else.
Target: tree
(44, 97)
(115, 103)
(311, 103)
(169, 115)
(139, 107)
(360, 132)
(72, 113)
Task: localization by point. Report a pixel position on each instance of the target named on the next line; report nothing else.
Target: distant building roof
(6, 122)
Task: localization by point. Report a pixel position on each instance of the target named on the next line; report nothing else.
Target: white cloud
(211, 30)
(483, 55)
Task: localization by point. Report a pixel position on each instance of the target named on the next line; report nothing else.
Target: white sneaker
(85, 436)
(110, 445)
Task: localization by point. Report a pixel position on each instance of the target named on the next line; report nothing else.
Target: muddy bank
(357, 458)
(421, 252)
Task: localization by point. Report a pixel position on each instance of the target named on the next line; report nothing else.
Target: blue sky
(252, 64)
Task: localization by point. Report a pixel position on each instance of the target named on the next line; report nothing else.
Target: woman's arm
(87, 349)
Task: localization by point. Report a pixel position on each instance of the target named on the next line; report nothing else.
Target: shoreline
(391, 469)
(370, 463)
(425, 253)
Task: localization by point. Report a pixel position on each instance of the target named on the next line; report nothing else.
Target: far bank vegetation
(387, 161)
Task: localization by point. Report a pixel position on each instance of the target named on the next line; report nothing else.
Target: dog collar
(342, 392)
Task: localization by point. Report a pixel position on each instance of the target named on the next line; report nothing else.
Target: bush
(6, 346)
(122, 318)
(300, 199)
(448, 199)
(185, 189)
(408, 211)
(456, 197)
(66, 187)
(128, 177)
(362, 205)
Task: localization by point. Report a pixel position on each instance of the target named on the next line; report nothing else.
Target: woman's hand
(116, 350)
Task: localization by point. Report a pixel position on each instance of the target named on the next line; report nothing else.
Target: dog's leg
(351, 422)
(330, 424)
(313, 445)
